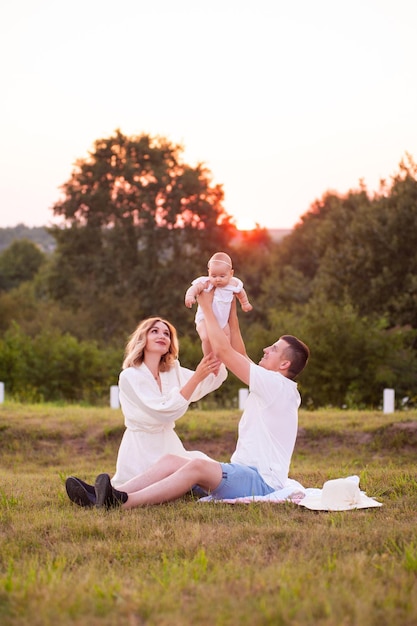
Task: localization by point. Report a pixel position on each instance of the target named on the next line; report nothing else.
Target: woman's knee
(197, 464)
(168, 457)
(171, 460)
(205, 470)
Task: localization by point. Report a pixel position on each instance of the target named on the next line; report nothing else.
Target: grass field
(197, 563)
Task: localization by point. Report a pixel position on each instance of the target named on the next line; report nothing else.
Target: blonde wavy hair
(135, 347)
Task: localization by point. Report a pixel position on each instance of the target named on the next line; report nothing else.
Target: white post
(1, 393)
(389, 397)
(114, 397)
(243, 394)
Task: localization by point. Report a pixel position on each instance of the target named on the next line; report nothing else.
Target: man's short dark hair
(298, 354)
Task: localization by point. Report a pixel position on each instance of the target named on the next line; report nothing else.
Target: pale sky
(282, 100)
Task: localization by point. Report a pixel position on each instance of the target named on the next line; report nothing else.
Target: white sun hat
(340, 494)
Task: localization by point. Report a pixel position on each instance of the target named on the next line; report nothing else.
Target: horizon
(44, 226)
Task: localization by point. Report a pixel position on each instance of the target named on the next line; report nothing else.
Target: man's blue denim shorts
(239, 481)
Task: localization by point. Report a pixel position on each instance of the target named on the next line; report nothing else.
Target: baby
(220, 278)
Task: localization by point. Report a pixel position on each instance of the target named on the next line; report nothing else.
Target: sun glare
(245, 223)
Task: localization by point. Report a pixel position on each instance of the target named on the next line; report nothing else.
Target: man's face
(275, 356)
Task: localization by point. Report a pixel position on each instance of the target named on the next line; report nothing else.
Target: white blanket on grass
(292, 492)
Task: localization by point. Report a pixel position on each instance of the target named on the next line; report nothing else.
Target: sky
(282, 101)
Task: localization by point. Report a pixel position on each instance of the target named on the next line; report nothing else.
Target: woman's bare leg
(207, 474)
(165, 466)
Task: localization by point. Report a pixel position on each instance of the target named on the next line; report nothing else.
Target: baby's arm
(244, 300)
(192, 293)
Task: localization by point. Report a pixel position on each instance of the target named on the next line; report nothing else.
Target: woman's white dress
(150, 416)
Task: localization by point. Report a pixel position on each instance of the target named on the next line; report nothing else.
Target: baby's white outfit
(222, 300)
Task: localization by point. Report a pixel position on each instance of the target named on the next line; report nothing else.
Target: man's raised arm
(235, 334)
(234, 360)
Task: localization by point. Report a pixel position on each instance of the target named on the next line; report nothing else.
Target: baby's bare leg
(205, 343)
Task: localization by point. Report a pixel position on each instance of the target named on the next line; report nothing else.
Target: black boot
(80, 492)
(106, 495)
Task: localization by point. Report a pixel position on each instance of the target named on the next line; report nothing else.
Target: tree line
(138, 224)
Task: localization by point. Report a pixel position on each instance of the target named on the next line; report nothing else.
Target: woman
(154, 392)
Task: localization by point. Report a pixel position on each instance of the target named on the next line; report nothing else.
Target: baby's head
(220, 269)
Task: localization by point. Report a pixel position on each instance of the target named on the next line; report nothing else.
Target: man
(267, 429)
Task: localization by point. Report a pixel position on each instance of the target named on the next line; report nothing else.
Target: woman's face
(158, 339)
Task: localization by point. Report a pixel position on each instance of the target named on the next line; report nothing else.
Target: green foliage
(18, 304)
(140, 224)
(52, 366)
(19, 263)
(376, 257)
(352, 358)
(355, 249)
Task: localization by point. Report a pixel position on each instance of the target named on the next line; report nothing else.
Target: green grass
(203, 563)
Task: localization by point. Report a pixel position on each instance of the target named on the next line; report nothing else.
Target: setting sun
(245, 223)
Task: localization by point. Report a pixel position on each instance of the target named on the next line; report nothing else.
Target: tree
(353, 358)
(296, 262)
(353, 249)
(55, 366)
(250, 253)
(374, 261)
(19, 263)
(138, 222)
